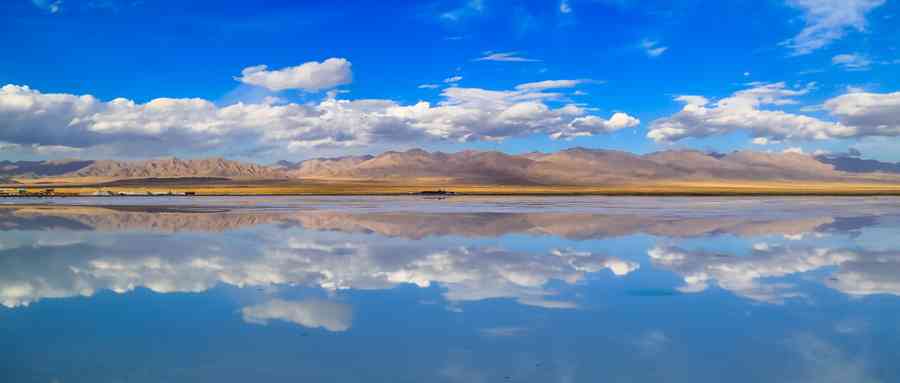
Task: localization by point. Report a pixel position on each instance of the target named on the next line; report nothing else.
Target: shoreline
(799, 193)
(440, 190)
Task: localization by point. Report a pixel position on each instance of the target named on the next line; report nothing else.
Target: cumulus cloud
(312, 313)
(29, 117)
(500, 113)
(505, 57)
(652, 48)
(167, 125)
(590, 125)
(857, 114)
(827, 21)
(565, 7)
(870, 114)
(311, 76)
(692, 100)
(852, 61)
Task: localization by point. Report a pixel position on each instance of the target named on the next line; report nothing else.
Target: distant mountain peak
(174, 167)
(854, 164)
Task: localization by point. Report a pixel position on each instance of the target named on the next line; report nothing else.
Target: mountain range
(577, 166)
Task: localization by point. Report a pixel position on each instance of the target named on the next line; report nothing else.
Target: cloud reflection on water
(59, 251)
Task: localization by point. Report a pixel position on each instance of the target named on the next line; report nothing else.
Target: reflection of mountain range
(576, 166)
(55, 252)
(419, 225)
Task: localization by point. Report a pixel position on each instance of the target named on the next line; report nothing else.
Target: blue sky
(137, 79)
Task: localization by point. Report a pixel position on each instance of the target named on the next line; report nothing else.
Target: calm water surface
(350, 289)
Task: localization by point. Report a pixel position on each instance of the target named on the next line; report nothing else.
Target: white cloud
(166, 125)
(502, 112)
(744, 110)
(52, 6)
(453, 79)
(312, 313)
(827, 21)
(852, 61)
(565, 7)
(870, 114)
(505, 57)
(470, 8)
(794, 150)
(550, 84)
(311, 76)
(41, 151)
(652, 48)
(692, 100)
(590, 125)
(429, 86)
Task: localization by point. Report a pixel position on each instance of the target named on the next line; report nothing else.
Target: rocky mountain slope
(576, 166)
(157, 168)
(174, 167)
(40, 168)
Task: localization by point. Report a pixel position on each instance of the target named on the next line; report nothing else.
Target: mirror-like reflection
(467, 290)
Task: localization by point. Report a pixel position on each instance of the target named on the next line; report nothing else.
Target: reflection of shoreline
(412, 225)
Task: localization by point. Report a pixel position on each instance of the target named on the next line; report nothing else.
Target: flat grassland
(81, 187)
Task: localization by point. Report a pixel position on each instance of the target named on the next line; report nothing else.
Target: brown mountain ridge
(576, 166)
